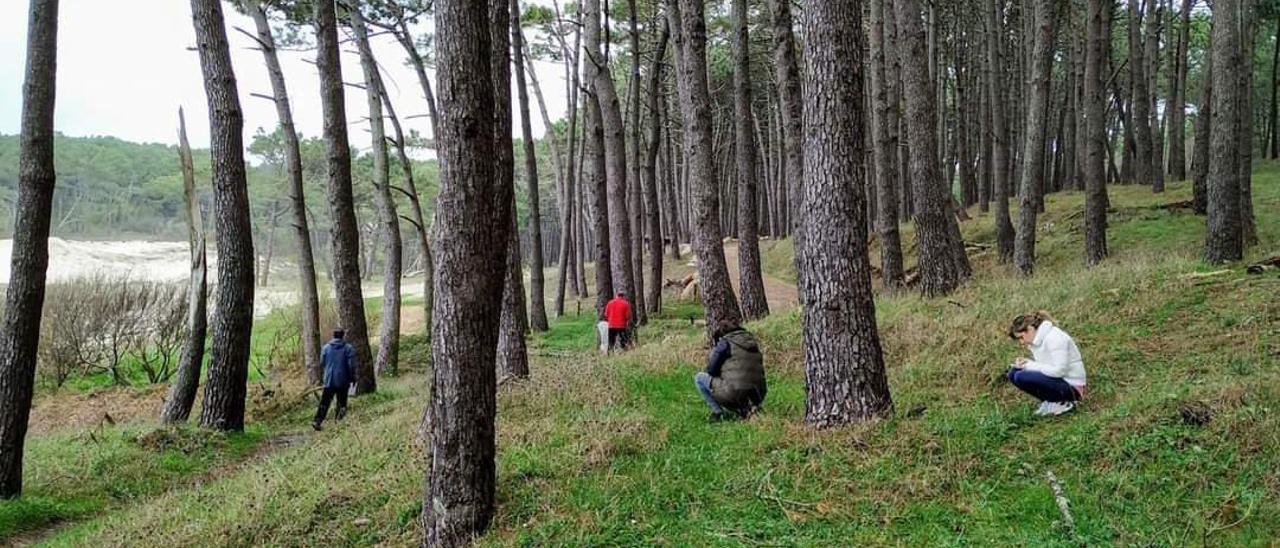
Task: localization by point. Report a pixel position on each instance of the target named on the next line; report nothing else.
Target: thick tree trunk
(791, 106)
(717, 292)
(1224, 234)
(388, 359)
(1245, 120)
(345, 234)
(999, 135)
(594, 151)
(885, 159)
(1033, 142)
(537, 301)
(186, 380)
(1096, 203)
(844, 366)
(944, 266)
(471, 240)
(224, 391)
(750, 279)
(615, 153)
(651, 206)
(24, 298)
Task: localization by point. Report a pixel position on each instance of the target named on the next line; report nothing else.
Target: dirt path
(781, 295)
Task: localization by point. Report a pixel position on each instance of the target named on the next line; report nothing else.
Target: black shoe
(722, 417)
(316, 426)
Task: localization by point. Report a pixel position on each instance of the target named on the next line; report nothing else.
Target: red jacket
(618, 313)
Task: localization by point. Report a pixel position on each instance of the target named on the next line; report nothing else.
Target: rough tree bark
(1151, 54)
(1224, 236)
(1200, 147)
(537, 300)
(844, 366)
(186, 380)
(944, 266)
(615, 152)
(224, 390)
(513, 356)
(470, 234)
(695, 98)
(1096, 203)
(885, 158)
(1176, 124)
(651, 206)
(750, 278)
(24, 298)
(791, 106)
(345, 234)
(1033, 149)
(1140, 108)
(999, 135)
(388, 359)
(635, 190)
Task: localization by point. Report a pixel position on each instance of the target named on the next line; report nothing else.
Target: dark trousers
(1042, 387)
(618, 338)
(326, 398)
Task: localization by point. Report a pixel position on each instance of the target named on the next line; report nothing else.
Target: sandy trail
(780, 295)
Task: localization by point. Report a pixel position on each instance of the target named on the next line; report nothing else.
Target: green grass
(617, 451)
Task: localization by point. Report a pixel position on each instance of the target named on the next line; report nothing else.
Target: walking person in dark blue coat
(339, 360)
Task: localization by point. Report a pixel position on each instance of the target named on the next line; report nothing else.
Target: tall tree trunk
(635, 189)
(791, 107)
(651, 206)
(1245, 121)
(594, 150)
(1200, 148)
(885, 159)
(944, 266)
(389, 333)
(24, 298)
(1140, 109)
(1096, 203)
(670, 176)
(750, 279)
(1155, 25)
(512, 359)
(615, 152)
(844, 366)
(293, 167)
(1224, 236)
(224, 391)
(345, 234)
(1273, 135)
(471, 240)
(182, 391)
(564, 175)
(537, 301)
(1177, 120)
(415, 207)
(1033, 145)
(695, 98)
(999, 135)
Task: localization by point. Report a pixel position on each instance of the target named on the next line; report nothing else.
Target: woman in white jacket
(1055, 374)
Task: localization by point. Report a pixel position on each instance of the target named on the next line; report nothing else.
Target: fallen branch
(1063, 503)
(1199, 275)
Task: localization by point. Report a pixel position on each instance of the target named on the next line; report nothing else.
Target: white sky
(124, 68)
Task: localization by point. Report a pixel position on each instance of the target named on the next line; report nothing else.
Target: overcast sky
(124, 68)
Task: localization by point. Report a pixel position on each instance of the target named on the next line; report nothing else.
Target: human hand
(1020, 363)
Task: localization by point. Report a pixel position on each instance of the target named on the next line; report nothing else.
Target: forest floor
(1178, 443)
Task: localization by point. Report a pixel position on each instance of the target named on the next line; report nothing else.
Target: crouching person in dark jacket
(339, 360)
(733, 384)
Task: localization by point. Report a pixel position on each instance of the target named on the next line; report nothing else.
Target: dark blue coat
(339, 364)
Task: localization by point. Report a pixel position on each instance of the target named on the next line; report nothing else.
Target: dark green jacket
(737, 370)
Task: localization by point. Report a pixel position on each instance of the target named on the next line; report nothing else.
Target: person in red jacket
(618, 314)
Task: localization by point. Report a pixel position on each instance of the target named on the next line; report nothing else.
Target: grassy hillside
(1179, 442)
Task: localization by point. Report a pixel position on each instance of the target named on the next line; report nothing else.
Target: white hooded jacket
(1055, 355)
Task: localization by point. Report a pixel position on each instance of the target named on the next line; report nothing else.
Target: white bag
(602, 336)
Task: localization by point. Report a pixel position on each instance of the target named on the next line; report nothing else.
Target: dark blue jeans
(1042, 387)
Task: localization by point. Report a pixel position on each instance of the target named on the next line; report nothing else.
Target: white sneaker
(1043, 410)
(1056, 409)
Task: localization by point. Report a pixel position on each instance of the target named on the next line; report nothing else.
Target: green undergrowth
(1177, 444)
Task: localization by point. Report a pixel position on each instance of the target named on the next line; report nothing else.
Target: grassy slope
(618, 452)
